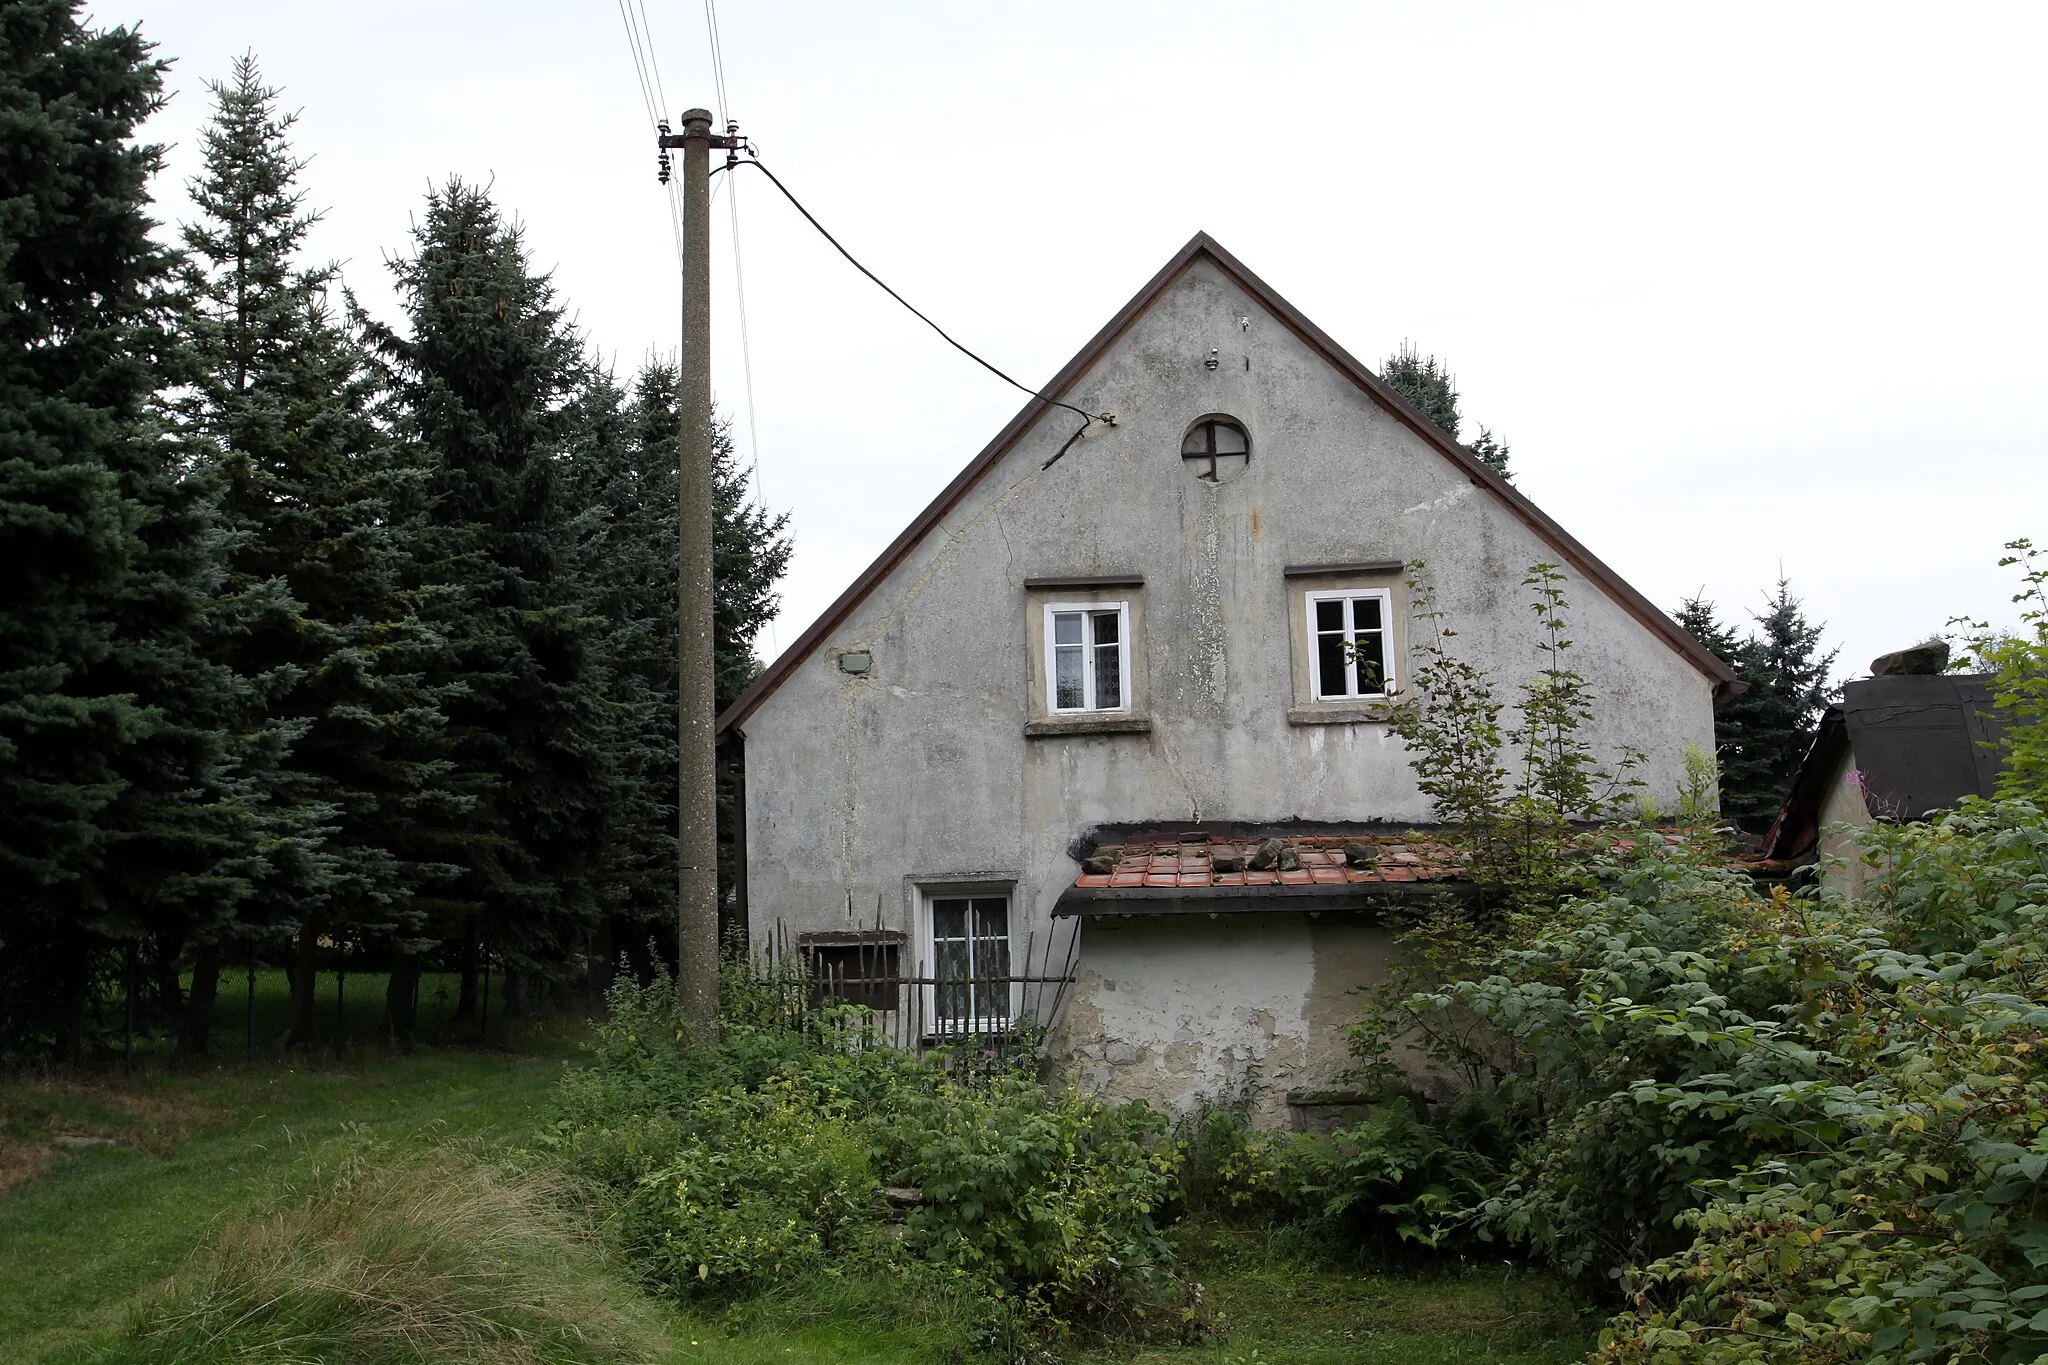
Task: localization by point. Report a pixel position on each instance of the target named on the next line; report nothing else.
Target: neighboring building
(1185, 627)
(1899, 746)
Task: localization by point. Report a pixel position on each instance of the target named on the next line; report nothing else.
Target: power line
(717, 59)
(739, 276)
(643, 42)
(1087, 419)
(639, 43)
(653, 61)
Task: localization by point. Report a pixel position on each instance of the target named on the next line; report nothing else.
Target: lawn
(113, 1182)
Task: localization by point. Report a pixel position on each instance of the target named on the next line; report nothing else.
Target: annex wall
(1172, 1009)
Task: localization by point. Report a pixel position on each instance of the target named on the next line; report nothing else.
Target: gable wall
(858, 785)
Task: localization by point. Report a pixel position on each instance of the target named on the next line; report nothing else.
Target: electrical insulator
(664, 168)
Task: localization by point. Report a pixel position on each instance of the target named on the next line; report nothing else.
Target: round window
(1216, 449)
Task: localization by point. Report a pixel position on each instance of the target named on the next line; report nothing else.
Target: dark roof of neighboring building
(1918, 744)
(1202, 246)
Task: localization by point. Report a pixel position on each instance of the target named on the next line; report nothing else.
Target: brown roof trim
(1114, 580)
(1198, 246)
(1368, 566)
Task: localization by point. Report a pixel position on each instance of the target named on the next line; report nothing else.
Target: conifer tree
(1427, 383)
(485, 379)
(1763, 733)
(627, 473)
(282, 402)
(125, 816)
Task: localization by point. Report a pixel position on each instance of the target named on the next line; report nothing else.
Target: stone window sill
(1376, 714)
(1051, 726)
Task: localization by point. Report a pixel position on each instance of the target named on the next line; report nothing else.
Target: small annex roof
(1204, 247)
(1154, 873)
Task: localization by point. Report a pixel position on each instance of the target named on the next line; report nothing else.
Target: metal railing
(923, 1006)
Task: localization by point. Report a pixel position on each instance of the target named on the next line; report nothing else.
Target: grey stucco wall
(1843, 813)
(1170, 1008)
(859, 786)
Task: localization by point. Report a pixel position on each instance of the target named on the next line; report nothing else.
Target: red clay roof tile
(1167, 860)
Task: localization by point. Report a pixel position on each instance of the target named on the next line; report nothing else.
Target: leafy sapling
(2018, 662)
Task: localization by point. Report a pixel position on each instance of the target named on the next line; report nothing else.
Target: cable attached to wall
(1087, 419)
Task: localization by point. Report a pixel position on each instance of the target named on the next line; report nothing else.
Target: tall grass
(382, 1258)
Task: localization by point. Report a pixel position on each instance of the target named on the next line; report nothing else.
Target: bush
(725, 1169)
(1391, 1177)
(1051, 1195)
(762, 1185)
(1788, 1127)
(1780, 1133)
(1896, 1209)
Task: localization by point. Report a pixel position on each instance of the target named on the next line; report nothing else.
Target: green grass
(1280, 1306)
(92, 1228)
(250, 1017)
(222, 1176)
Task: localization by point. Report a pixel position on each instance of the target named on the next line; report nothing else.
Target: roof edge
(1578, 556)
(1198, 246)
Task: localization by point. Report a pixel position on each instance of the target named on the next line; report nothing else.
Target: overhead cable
(739, 278)
(641, 46)
(1087, 419)
(717, 59)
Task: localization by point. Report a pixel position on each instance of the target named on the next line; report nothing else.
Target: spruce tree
(1763, 733)
(485, 378)
(1427, 383)
(626, 568)
(1699, 619)
(627, 473)
(125, 817)
(283, 403)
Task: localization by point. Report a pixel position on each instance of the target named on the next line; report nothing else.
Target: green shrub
(1784, 1136)
(725, 1169)
(1049, 1194)
(1550, 1022)
(1389, 1177)
(1900, 1100)
(763, 1185)
(1226, 1166)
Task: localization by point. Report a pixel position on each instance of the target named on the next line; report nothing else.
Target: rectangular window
(1348, 653)
(856, 973)
(970, 964)
(1088, 660)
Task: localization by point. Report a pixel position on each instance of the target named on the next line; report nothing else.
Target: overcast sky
(1746, 287)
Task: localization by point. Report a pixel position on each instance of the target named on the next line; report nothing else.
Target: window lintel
(1369, 568)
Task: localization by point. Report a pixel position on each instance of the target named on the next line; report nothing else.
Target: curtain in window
(971, 962)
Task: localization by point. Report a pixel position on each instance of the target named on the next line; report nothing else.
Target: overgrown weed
(378, 1257)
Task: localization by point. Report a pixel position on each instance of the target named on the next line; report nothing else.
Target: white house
(1165, 635)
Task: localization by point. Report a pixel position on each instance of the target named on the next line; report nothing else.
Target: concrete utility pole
(697, 796)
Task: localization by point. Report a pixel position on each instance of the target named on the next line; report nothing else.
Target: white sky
(1745, 286)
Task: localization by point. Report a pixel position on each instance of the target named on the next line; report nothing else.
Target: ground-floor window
(970, 939)
(855, 968)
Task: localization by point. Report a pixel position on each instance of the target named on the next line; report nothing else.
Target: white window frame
(1314, 638)
(934, 1027)
(1051, 654)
